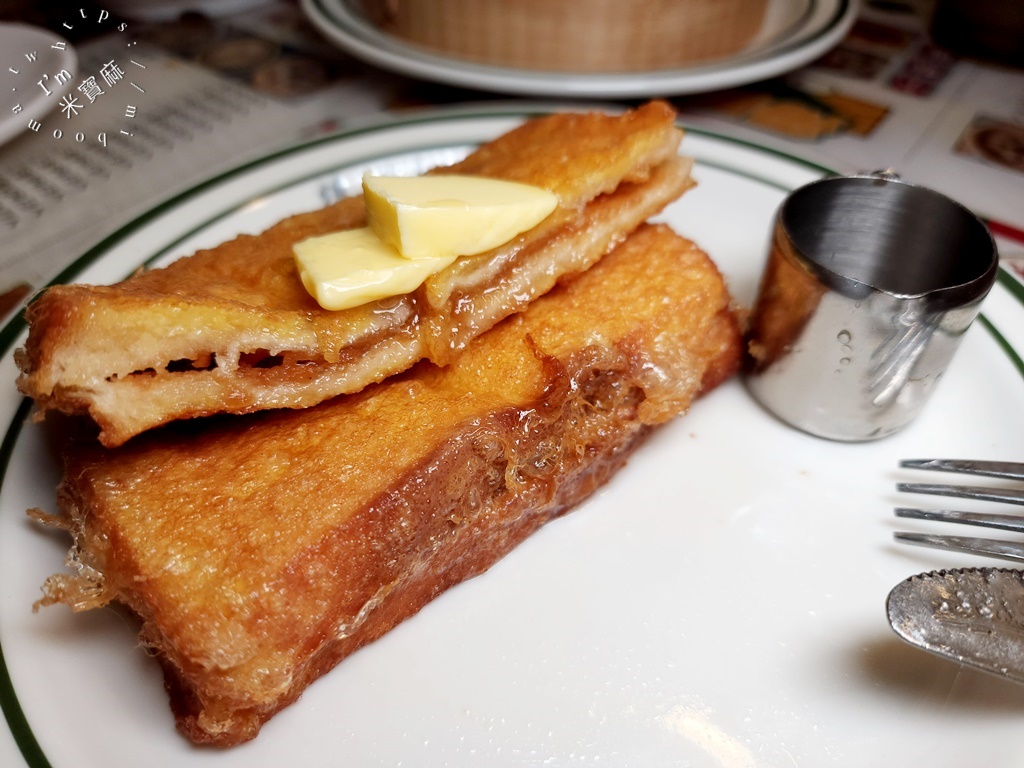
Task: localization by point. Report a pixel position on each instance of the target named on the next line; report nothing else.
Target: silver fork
(1007, 550)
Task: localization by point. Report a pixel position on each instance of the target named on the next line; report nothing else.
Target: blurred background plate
(795, 32)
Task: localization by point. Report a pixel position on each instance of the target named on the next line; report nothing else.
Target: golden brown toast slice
(261, 550)
(231, 329)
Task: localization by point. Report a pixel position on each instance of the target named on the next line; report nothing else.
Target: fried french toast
(231, 329)
(260, 550)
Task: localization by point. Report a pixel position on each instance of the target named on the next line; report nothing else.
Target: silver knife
(974, 616)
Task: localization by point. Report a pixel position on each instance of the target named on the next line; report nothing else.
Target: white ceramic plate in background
(796, 32)
(720, 603)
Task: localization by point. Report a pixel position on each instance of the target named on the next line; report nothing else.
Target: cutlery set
(974, 616)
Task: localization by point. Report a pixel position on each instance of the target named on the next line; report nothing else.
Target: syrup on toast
(258, 551)
(231, 329)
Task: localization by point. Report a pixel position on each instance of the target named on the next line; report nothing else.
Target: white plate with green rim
(795, 33)
(720, 603)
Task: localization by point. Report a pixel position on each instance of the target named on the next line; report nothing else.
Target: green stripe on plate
(13, 713)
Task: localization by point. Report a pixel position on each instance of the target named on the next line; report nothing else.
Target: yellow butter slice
(426, 217)
(353, 267)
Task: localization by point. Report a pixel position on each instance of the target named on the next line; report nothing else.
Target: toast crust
(231, 329)
(259, 551)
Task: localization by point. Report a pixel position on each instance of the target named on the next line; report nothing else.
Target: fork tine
(1006, 469)
(1006, 550)
(985, 520)
(1008, 495)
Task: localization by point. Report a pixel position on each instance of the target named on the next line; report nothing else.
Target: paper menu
(888, 97)
(74, 180)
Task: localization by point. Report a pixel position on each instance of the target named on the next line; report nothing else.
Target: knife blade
(974, 616)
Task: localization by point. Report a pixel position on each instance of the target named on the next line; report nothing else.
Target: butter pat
(417, 226)
(439, 216)
(353, 267)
